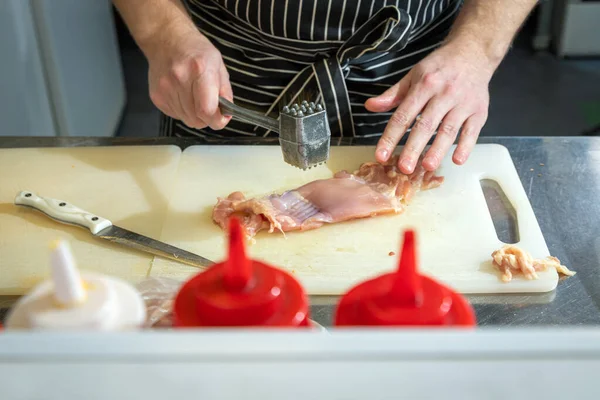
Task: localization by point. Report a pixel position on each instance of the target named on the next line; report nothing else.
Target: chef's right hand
(187, 75)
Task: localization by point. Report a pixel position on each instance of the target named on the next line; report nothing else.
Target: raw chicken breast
(374, 189)
(511, 259)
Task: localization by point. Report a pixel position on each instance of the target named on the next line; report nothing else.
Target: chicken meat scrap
(374, 189)
(511, 259)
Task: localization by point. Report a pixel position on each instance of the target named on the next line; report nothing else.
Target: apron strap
(385, 32)
(332, 86)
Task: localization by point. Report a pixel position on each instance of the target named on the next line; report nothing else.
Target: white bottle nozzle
(68, 285)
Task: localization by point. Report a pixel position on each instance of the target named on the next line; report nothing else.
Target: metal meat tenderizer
(303, 130)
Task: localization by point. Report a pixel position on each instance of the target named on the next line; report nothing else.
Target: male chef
(381, 68)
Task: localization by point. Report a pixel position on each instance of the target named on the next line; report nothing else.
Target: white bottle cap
(72, 301)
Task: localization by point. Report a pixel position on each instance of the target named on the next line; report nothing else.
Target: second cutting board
(129, 185)
(455, 232)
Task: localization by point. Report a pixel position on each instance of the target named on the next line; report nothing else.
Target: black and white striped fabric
(339, 52)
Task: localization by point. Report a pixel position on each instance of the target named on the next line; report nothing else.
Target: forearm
(489, 26)
(148, 20)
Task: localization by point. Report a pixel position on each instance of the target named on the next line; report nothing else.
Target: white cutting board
(454, 229)
(128, 185)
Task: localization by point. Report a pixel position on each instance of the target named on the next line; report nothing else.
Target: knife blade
(66, 213)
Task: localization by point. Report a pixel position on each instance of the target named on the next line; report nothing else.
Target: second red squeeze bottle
(404, 298)
(241, 292)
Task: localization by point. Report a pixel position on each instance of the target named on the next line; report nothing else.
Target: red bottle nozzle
(406, 287)
(241, 292)
(403, 298)
(238, 268)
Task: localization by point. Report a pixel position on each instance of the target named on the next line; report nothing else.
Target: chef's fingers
(225, 90)
(163, 105)
(186, 104)
(422, 131)
(468, 137)
(206, 99)
(400, 121)
(180, 83)
(446, 135)
(162, 94)
(175, 105)
(166, 109)
(390, 98)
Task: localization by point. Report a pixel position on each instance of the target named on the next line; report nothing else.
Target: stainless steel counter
(562, 179)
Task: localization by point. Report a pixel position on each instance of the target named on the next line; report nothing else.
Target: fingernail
(406, 164)
(460, 157)
(383, 153)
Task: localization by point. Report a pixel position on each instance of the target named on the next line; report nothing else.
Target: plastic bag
(159, 296)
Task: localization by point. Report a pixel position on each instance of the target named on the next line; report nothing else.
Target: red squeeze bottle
(404, 298)
(241, 292)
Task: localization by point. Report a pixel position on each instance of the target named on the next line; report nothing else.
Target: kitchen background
(70, 68)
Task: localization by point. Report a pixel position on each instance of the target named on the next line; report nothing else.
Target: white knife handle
(63, 211)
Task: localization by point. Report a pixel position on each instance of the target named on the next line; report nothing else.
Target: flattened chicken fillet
(374, 189)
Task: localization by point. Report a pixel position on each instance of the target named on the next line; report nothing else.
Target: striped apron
(339, 52)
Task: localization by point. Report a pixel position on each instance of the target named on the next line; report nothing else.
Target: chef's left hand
(449, 88)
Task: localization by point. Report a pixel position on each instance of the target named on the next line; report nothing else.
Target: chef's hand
(449, 89)
(187, 75)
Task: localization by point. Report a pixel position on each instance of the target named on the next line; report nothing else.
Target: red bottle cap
(404, 298)
(241, 292)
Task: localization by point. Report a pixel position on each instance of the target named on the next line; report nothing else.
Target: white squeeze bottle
(74, 301)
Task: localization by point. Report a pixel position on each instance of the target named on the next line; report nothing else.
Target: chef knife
(66, 213)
